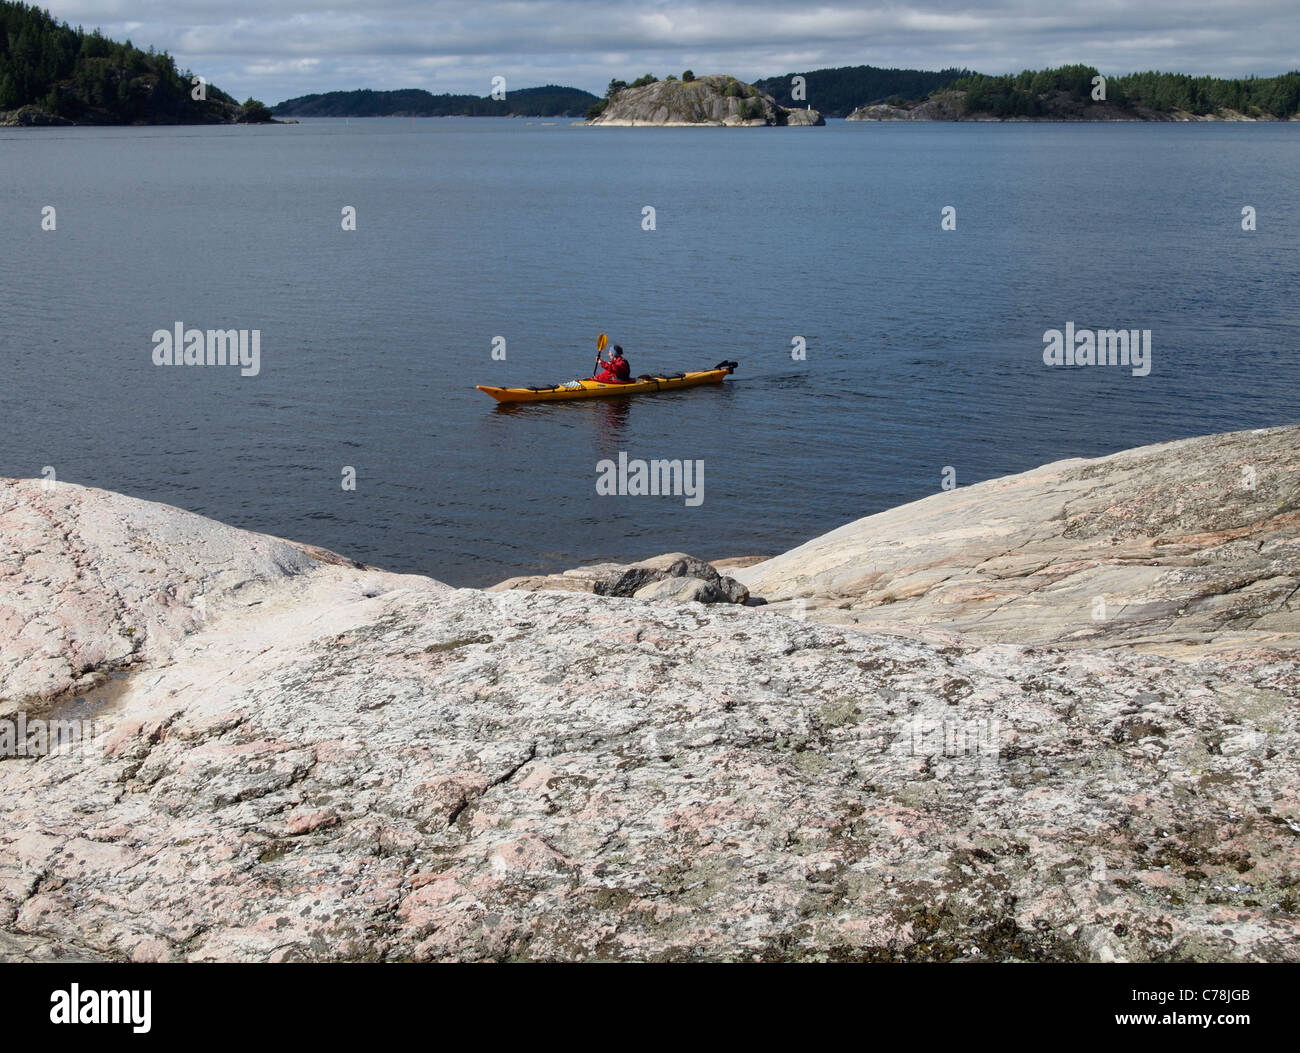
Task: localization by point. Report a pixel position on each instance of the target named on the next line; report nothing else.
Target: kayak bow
(588, 389)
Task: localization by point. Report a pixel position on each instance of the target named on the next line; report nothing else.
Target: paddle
(602, 342)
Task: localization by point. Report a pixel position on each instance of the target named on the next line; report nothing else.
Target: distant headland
(550, 100)
(52, 74)
(1067, 93)
(1081, 93)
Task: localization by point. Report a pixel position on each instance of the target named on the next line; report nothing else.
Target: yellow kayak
(590, 389)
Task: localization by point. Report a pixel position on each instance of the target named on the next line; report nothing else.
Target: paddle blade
(602, 342)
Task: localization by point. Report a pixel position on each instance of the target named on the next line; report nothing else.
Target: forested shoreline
(51, 73)
(550, 100)
(1028, 94)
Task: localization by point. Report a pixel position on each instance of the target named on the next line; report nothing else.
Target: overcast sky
(276, 49)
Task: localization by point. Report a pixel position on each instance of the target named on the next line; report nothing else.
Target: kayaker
(617, 371)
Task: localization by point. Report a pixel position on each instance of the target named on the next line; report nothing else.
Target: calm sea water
(924, 347)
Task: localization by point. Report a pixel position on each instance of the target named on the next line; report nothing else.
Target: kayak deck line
(586, 389)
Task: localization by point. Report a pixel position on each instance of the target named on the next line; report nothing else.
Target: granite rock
(712, 100)
(653, 577)
(1180, 548)
(338, 764)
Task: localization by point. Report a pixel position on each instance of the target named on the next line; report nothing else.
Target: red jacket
(617, 371)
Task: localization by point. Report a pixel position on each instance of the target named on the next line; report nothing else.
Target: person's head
(618, 351)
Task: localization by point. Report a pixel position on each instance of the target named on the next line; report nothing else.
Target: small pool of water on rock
(94, 704)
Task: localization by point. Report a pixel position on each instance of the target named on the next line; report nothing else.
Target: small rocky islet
(924, 745)
(718, 101)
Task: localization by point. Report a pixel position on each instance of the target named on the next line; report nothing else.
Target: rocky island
(931, 742)
(718, 101)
